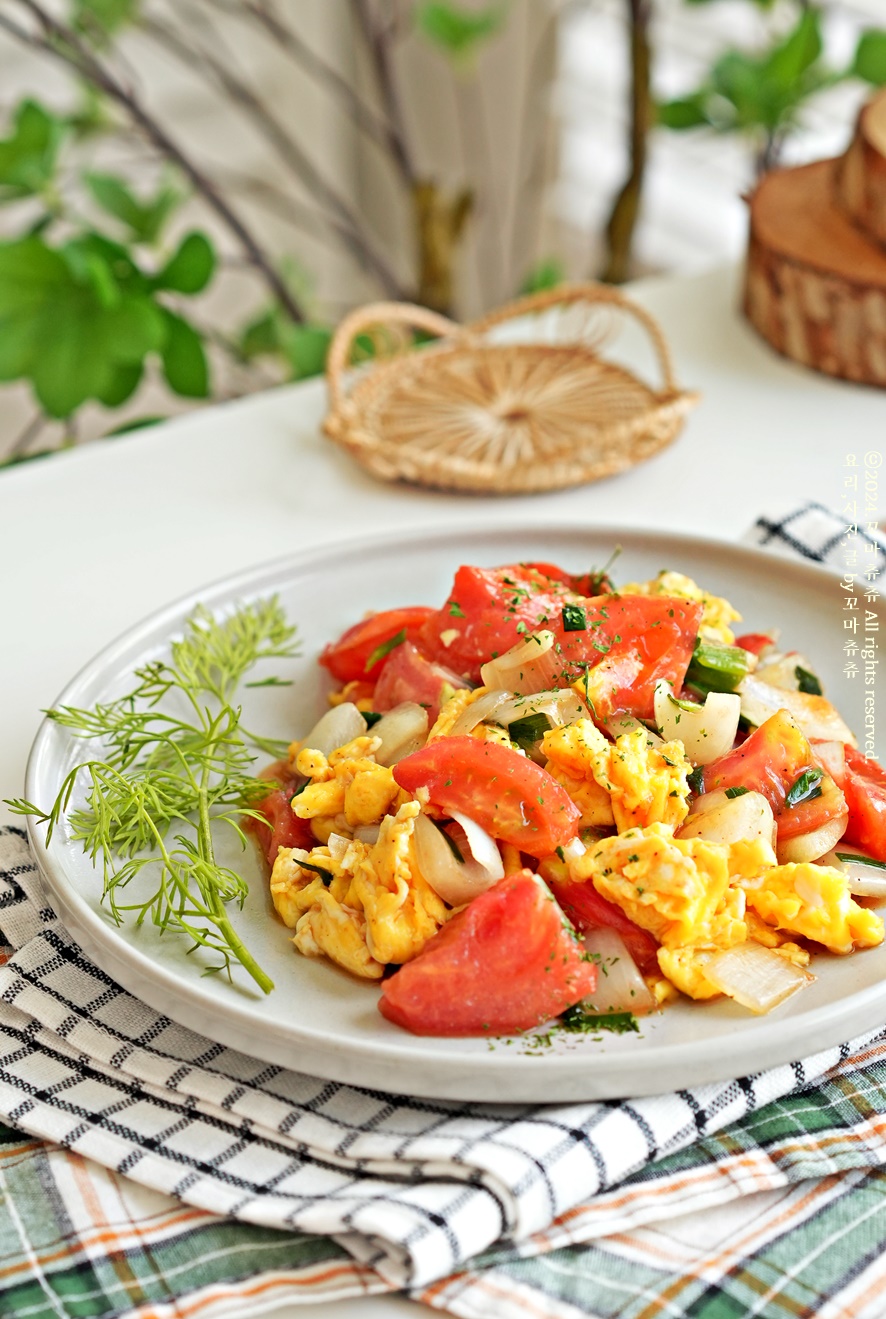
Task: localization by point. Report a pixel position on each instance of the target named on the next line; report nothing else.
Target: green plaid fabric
(781, 1214)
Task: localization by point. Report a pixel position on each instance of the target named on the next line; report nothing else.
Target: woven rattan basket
(516, 402)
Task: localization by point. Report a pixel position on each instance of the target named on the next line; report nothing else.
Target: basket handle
(364, 318)
(569, 294)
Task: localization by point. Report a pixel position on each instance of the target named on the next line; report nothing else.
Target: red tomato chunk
(865, 789)
(589, 911)
(506, 963)
(348, 658)
(407, 676)
(509, 795)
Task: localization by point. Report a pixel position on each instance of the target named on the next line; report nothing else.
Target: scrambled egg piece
(814, 901)
(673, 887)
(718, 613)
(764, 934)
(750, 857)
(375, 908)
(357, 691)
(347, 789)
(644, 785)
(578, 758)
(454, 707)
(684, 968)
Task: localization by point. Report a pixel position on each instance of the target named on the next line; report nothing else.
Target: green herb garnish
(862, 860)
(385, 649)
(325, 875)
(805, 787)
(575, 618)
(578, 1018)
(807, 682)
(173, 754)
(696, 779)
(456, 610)
(529, 730)
(371, 716)
(736, 792)
(717, 668)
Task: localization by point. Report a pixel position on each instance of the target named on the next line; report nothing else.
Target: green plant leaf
(306, 347)
(869, 62)
(121, 384)
(791, 58)
(100, 19)
(58, 330)
(261, 336)
(135, 424)
(184, 360)
(546, 274)
(28, 156)
(455, 29)
(191, 268)
(684, 112)
(145, 220)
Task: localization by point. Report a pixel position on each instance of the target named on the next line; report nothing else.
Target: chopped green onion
(736, 792)
(456, 610)
(805, 787)
(371, 717)
(385, 649)
(717, 668)
(529, 730)
(575, 618)
(561, 854)
(854, 859)
(325, 875)
(683, 705)
(696, 779)
(579, 1019)
(807, 682)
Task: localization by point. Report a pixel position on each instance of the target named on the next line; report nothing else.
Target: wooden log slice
(860, 178)
(815, 286)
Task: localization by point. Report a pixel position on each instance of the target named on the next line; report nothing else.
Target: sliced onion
(484, 848)
(618, 724)
(865, 876)
(706, 731)
(561, 705)
(336, 728)
(717, 818)
(815, 715)
(456, 882)
(367, 833)
(832, 758)
(781, 670)
(812, 846)
(402, 731)
(756, 977)
(620, 986)
(338, 845)
(533, 665)
(483, 707)
(574, 850)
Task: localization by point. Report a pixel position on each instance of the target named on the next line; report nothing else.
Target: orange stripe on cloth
(222, 1291)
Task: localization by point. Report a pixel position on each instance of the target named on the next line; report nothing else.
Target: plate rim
(490, 1069)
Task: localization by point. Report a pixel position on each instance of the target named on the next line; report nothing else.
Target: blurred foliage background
(161, 247)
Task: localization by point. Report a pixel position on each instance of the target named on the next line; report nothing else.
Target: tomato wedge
(489, 609)
(589, 911)
(865, 790)
(508, 962)
(279, 827)
(509, 795)
(407, 675)
(769, 762)
(348, 658)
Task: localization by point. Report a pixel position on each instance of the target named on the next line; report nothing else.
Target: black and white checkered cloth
(812, 531)
(410, 1187)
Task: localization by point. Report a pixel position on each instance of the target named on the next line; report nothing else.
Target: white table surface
(96, 538)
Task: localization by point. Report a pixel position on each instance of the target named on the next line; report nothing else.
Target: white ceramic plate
(320, 1020)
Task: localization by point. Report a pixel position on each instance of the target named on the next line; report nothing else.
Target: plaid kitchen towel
(758, 1196)
(410, 1188)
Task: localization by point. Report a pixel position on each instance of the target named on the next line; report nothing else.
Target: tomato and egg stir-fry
(550, 792)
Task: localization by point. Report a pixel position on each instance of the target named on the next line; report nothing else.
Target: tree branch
(377, 42)
(300, 165)
(63, 44)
